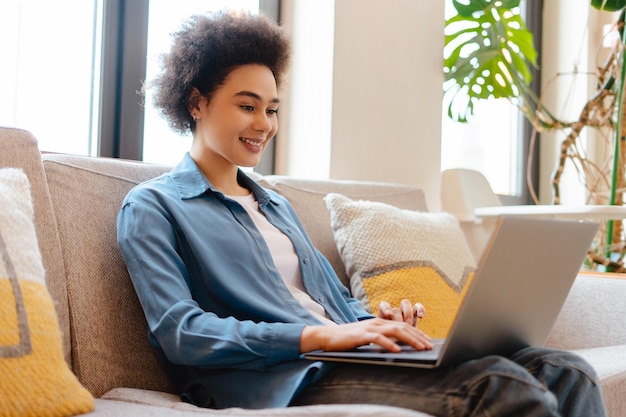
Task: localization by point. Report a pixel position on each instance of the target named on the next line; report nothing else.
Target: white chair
(463, 191)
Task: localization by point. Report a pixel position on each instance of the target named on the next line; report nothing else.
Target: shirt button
(305, 260)
(322, 300)
(289, 230)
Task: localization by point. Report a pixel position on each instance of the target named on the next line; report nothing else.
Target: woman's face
(235, 127)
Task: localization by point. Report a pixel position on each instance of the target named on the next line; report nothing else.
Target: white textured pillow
(391, 254)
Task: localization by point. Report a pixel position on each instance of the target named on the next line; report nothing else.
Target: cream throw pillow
(34, 378)
(391, 254)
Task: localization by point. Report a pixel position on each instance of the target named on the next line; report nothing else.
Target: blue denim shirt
(219, 314)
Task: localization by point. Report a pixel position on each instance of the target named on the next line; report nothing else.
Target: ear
(193, 102)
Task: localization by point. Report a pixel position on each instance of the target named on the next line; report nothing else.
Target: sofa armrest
(593, 315)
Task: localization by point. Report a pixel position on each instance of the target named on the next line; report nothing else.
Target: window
(49, 64)
(488, 143)
(496, 140)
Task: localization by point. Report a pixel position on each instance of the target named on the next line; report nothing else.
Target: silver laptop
(521, 282)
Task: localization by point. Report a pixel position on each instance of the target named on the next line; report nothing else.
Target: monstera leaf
(609, 5)
(488, 53)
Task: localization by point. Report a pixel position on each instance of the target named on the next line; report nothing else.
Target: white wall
(303, 144)
(563, 95)
(386, 94)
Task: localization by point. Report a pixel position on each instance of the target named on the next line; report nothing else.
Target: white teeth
(251, 142)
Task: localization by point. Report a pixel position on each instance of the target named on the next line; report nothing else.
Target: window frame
(533, 17)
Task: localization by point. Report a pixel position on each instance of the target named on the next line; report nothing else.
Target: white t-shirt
(284, 256)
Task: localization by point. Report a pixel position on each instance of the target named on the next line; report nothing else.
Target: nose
(263, 122)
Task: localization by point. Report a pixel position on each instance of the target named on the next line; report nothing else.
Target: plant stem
(617, 140)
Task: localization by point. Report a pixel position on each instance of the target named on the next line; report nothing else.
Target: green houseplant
(489, 53)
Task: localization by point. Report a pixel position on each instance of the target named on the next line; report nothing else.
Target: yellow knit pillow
(34, 378)
(391, 254)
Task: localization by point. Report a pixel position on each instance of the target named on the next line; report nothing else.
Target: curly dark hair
(206, 50)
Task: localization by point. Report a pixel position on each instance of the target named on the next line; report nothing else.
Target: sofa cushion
(109, 333)
(35, 380)
(176, 406)
(593, 296)
(307, 198)
(609, 362)
(391, 254)
(18, 148)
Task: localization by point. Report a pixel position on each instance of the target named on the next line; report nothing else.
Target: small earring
(194, 118)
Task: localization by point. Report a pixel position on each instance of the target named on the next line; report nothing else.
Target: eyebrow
(255, 96)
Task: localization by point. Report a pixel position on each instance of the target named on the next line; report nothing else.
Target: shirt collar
(191, 182)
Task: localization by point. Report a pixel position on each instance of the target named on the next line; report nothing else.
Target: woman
(233, 289)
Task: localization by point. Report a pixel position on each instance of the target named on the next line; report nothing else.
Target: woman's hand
(385, 333)
(407, 312)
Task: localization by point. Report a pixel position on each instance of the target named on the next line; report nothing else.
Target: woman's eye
(251, 109)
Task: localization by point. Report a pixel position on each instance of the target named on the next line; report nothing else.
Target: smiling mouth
(252, 142)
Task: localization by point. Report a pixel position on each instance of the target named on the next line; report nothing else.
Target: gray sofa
(76, 201)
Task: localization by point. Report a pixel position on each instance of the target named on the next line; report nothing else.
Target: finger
(424, 342)
(384, 341)
(419, 310)
(408, 315)
(385, 311)
(397, 314)
(390, 334)
(410, 335)
(418, 339)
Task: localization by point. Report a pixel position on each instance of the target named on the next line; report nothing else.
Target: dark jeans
(533, 382)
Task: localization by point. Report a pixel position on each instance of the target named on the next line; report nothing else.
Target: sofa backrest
(307, 198)
(109, 339)
(18, 149)
(109, 342)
